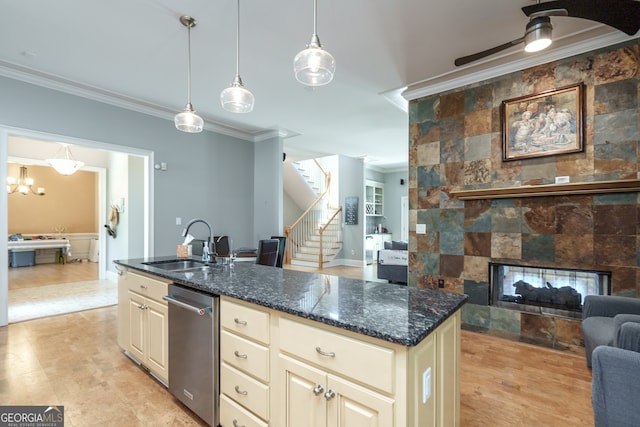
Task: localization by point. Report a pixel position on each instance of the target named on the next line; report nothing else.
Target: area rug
(51, 300)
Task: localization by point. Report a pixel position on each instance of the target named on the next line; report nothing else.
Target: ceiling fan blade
(623, 15)
(476, 56)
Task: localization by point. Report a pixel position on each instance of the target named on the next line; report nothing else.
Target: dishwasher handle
(201, 311)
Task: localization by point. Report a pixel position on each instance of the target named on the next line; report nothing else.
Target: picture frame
(351, 210)
(543, 124)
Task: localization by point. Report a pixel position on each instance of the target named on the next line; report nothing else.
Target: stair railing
(312, 222)
(325, 246)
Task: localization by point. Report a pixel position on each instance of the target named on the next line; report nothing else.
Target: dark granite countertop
(394, 313)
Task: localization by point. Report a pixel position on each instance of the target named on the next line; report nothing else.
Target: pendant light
(236, 98)
(314, 66)
(188, 120)
(66, 165)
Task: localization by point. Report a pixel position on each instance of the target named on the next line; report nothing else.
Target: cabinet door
(157, 357)
(355, 406)
(304, 387)
(137, 333)
(448, 351)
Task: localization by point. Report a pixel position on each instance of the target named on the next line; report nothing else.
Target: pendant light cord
(238, 39)
(189, 64)
(315, 17)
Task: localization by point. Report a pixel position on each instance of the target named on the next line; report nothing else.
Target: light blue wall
(351, 176)
(268, 190)
(393, 193)
(209, 175)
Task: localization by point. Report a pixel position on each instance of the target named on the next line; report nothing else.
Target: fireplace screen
(550, 290)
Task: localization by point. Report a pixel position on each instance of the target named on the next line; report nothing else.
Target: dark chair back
(221, 245)
(267, 252)
(282, 245)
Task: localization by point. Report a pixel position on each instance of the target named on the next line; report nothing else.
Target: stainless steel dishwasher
(194, 351)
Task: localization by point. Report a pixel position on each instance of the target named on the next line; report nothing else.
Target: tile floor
(74, 361)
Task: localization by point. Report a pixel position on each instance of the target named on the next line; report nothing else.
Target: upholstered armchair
(615, 384)
(603, 318)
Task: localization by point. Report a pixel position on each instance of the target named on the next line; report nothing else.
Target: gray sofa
(602, 320)
(393, 272)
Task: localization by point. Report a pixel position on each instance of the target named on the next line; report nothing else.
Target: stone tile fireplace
(546, 291)
(479, 209)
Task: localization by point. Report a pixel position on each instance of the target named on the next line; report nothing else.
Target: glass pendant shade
(236, 98)
(188, 121)
(538, 34)
(66, 165)
(314, 66)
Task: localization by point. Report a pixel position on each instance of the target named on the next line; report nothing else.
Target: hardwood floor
(50, 274)
(74, 360)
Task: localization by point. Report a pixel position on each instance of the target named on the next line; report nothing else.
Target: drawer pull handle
(143, 286)
(325, 353)
(240, 322)
(242, 392)
(317, 390)
(241, 356)
(330, 394)
(235, 424)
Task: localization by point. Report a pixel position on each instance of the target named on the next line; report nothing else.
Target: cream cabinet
(143, 321)
(314, 397)
(245, 364)
(282, 370)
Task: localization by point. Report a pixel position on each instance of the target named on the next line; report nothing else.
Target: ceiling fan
(623, 15)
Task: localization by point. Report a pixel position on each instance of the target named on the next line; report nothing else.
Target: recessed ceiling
(134, 52)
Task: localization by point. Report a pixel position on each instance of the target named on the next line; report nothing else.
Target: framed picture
(351, 210)
(543, 124)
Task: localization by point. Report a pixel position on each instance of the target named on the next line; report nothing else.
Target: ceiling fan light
(314, 66)
(538, 34)
(188, 121)
(236, 98)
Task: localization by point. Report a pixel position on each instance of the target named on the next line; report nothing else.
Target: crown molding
(464, 76)
(61, 84)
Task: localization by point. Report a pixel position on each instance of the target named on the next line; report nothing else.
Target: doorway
(38, 146)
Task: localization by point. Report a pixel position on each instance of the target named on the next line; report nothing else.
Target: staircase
(316, 237)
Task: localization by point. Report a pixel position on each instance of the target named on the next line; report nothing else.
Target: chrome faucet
(210, 244)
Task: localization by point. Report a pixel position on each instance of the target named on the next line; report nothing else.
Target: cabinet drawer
(232, 414)
(368, 363)
(247, 321)
(245, 355)
(146, 286)
(243, 389)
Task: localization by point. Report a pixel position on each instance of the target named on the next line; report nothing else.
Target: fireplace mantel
(618, 186)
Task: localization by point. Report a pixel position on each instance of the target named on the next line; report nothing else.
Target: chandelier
(23, 185)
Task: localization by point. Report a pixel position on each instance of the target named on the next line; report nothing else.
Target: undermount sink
(178, 265)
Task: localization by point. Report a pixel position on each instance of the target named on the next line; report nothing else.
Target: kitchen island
(326, 350)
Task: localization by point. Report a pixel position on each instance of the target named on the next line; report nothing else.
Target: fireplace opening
(554, 291)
